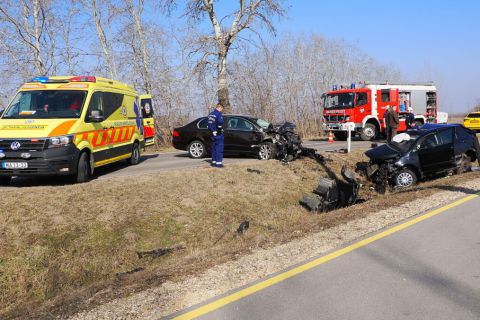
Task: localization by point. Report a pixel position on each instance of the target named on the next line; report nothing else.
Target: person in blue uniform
(215, 125)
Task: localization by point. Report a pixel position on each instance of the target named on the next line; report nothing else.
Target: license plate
(14, 165)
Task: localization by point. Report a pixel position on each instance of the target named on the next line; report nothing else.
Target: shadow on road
(67, 180)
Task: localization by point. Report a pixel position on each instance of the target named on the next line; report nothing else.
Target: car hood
(383, 152)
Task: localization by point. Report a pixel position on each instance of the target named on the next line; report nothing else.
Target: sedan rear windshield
(474, 115)
(46, 104)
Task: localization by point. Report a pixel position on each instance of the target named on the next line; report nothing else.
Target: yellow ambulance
(69, 126)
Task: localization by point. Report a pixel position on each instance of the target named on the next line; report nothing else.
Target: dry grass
(61, 245)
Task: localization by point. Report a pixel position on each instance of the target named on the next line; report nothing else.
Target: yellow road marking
(309, 265)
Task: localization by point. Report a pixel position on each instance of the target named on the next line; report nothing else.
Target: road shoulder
(219, 280)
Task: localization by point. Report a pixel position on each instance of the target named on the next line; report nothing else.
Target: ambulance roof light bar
(83, 79)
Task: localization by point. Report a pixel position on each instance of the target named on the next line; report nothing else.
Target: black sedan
(432, 150)
(243, 135)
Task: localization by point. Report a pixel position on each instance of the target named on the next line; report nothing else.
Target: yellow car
(69, 126)
(472, 121)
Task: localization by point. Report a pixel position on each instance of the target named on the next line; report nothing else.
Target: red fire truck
(365, 104)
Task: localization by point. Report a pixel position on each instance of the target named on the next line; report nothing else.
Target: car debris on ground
(121, 275)
(243, 227)
(332, 191)
(155, 253)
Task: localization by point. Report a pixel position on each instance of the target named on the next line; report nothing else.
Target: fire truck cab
(364, 106)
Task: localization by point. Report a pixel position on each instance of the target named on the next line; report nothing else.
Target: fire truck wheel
(5, 180)
(83, 169)
(340, 136)
(404, 178)
(135, 157)
(369, 132)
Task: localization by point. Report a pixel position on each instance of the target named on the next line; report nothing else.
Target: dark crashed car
(431, 150)
(243, 135)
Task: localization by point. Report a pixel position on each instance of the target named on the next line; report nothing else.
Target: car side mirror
(95, 116)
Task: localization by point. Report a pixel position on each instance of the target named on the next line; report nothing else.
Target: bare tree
(248, 13)
(139, 47)
(29, 21)
(98, 9)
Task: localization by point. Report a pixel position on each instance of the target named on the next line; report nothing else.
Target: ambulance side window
(147, 110)
(95, 106)
(111, 102)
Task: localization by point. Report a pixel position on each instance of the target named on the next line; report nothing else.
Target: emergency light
(352, 86)
(334, 88)
(83, 79)
(41, 79)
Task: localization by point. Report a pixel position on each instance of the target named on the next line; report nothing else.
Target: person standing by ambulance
(215, 125)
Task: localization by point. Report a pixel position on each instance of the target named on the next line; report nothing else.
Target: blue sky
(425, 39)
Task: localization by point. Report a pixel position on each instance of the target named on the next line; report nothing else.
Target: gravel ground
(173, 296)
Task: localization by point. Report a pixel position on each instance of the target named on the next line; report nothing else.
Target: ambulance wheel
(369, 132)
(83, 169)
(266, 151)
(135, 157)
(404, 178)
(5, 180)
(196, 149)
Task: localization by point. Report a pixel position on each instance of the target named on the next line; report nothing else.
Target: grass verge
(62, 245)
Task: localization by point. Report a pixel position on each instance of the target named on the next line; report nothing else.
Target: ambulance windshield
(340, 100)
(46, 104)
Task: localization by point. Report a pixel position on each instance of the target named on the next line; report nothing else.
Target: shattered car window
(262, 123)
(403, 141)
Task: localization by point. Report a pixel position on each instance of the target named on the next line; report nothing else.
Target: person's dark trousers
(391, 132)
(214, 150)
(219, 150)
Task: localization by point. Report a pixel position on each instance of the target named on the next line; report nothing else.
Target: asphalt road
(180, 160)
(429, 270)
(168, 161)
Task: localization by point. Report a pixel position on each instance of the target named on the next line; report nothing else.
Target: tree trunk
(37, 28)
(222, 83)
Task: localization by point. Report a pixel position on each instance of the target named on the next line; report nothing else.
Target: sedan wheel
(196, 149)
(405, 178)
(266, 151)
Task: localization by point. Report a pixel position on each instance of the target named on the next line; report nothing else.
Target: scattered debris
(254, 171)
(123, 274)
(159, 252)
(243, 227)
(331, 194)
